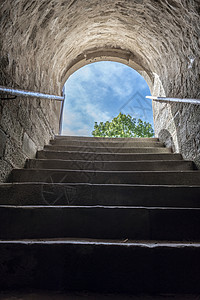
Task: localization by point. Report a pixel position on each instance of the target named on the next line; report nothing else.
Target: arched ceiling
(43, 42)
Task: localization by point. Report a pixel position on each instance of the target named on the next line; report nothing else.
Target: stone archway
(43, 41)
(116, 55)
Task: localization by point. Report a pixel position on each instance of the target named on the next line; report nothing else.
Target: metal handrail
(61, 112)
(179, 100)
(25, 93)
(17, 92)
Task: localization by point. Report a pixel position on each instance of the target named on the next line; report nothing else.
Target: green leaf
(123, 126)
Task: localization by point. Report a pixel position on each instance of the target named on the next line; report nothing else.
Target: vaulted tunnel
(43, 42)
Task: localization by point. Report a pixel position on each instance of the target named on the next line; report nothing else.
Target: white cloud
(104, 75)
(84, 131)
(67, 131)
(70, 119)
(83, 74)
(93, 111)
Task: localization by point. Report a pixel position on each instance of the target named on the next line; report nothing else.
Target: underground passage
(89, 216)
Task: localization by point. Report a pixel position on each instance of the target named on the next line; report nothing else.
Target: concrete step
(157, 165)
(92, 156)
(106, 177)
(129, 143)
(99, 194)
(108, 149)
(101, 222)
(90, 138)
(80, 295)
(133, 267)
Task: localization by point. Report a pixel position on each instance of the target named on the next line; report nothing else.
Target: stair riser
(74, 194)
(106, 144)
(108, 150)
(99, 223)
(63, 176)
(90, 156)
(100, 268)
(111, 166)
(89, 139)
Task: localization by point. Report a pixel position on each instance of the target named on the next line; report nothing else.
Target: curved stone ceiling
(43, 42)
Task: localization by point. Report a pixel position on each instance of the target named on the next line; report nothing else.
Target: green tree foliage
(123, 126)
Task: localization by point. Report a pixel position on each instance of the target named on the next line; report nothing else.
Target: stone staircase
(102, 215)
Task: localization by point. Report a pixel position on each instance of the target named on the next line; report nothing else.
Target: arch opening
(99, 91)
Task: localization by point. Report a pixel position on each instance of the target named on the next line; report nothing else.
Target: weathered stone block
(28, 146)
(3, 139)
(10, 122)
(14, 154)
(5, 168)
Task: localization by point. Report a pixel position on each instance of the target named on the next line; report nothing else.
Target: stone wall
(180, 128)
(43, 42)
(178, 125)
(25, 126)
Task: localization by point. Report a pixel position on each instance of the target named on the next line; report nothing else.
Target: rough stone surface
(28, 145)
(43, 42)
(21, 134)
(5, 168)
(2, 143)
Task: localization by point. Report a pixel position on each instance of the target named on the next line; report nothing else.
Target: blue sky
(99, 92)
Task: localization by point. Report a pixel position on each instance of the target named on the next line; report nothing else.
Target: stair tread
(124, 185)
(100, 222)
(78, 137)
(183, 177)
(55, 146)
(133, 269)
(110, 165)
(112, 153)
(106, 143)
(89, 241)
(103, 150)
(107, 171)
(36, 193)
(97, 207)
(91, 156)
(113, 161)
(80, 295)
